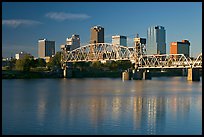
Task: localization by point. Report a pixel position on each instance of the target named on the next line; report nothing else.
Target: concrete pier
(147, 75)
(65, 73)
(67, 70)
(125, 76)
(137, 74)
(193, 74)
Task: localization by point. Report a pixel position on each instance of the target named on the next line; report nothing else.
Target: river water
(165, 105)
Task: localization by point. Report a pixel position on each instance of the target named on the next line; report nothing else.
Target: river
(161, 106)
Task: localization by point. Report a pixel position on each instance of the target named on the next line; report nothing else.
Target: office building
(97, 35)
(119, 40)
(140, 45)
(74, 42)
(46, 48)
(156, 40)
(180, 48)
(65, 47)
(21, 55)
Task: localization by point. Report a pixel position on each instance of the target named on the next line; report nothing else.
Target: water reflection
(102, 107)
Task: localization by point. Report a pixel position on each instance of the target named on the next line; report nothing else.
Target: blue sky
(23, 23)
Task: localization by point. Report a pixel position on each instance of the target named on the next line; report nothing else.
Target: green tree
(24, 64)
(96, 65)
(55, 62)
(12, 64)
(124, 64)
(41, 62)
(83, 66)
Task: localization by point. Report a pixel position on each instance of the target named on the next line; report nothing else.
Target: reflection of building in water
(198, 103)
(42, 105)
(97, 107)
(179, 106)
(116, 107)
(67, 107)
(137, 112)
(149, 113)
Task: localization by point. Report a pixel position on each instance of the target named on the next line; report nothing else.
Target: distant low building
(21, 55)
(47, 59)
(65, 47)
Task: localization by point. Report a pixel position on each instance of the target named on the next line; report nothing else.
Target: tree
(96, 65)
(124, 64)
(55, 62)
(24, 64)
(41, 62)
(83, 66)
(12, 63)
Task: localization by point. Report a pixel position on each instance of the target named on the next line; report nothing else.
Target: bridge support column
(137, 74)
(125, 76)
(147, 75)
(193, 74)
(67, 72)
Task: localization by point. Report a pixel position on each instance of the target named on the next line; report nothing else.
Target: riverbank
(14, 74)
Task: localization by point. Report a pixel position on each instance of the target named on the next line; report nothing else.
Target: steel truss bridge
(106, 51)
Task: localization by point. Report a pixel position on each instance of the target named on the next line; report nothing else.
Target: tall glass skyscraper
(156, 40)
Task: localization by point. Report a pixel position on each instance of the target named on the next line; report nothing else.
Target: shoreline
(13, 74)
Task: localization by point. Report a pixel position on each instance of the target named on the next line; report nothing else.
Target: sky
(24, 23)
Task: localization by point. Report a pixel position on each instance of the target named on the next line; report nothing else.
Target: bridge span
(105, 52)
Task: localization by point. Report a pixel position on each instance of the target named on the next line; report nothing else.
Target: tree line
(28, 63)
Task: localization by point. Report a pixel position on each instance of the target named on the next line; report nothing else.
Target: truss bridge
(106, 51)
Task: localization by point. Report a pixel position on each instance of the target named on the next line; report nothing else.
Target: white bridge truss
(169, 61)
(107, 51)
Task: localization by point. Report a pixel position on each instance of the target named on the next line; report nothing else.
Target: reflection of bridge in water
(105, 52)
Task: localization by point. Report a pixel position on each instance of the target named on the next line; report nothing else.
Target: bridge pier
(147, 75)
(140, 74)
(137, 74)
(67, 72)
(125, 76)
(193, 74)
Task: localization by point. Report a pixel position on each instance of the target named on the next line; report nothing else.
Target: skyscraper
(74, 42)
(46, 48)
(97, 35)
(119, 40)
(156, 40)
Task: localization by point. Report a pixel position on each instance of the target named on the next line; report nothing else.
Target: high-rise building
(140, 45)
(119, 40)
(74, 42)
(97, 35)
(156, 40)
(180, 48)
(46, 48)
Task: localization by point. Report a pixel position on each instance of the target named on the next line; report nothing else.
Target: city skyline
(56, 22)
